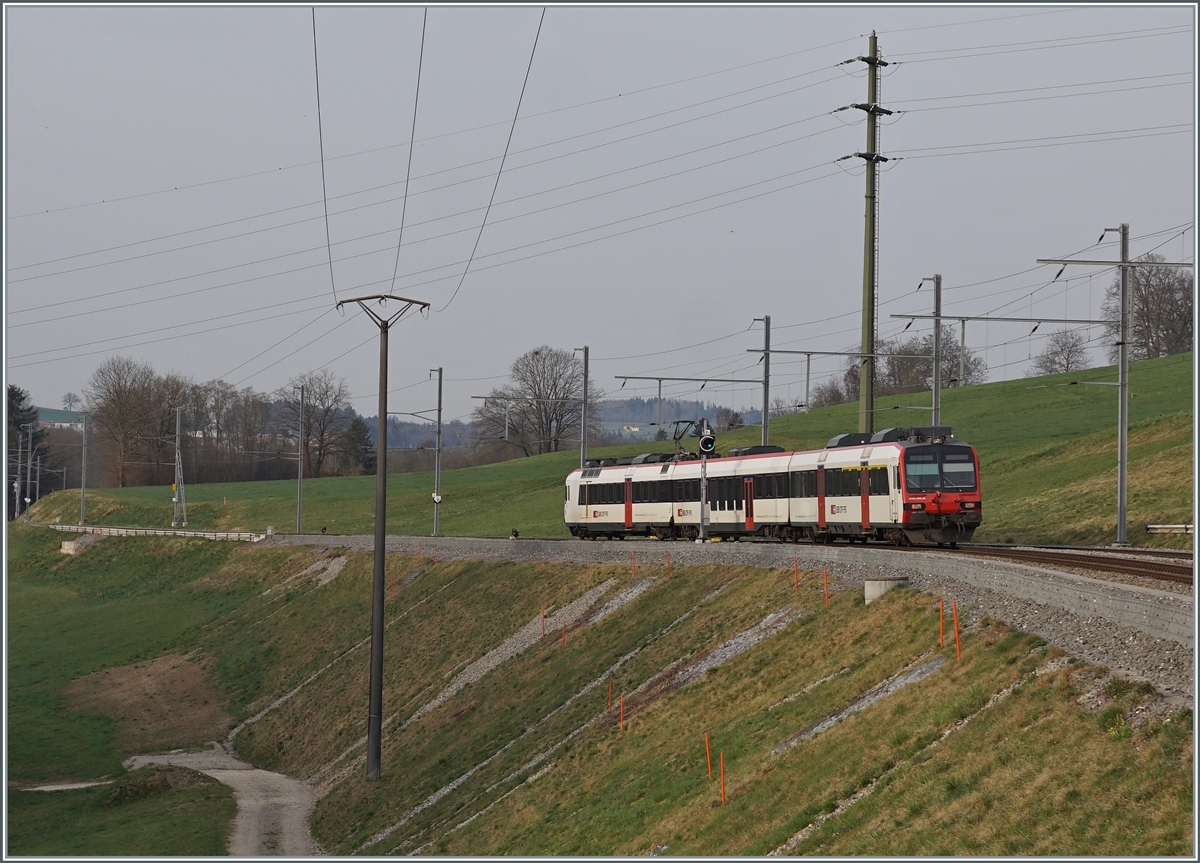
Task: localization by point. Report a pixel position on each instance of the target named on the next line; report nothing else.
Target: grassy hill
(499, 740)
(1047, 452)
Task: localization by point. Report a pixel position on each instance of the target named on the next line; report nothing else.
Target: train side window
(582, 494)
(833, 481)
(879, 480)
(567, 498)
(739, 491)
(758, 487)
(639, 492)
(804, 483)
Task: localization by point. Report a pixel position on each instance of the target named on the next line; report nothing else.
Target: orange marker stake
(622, 711)
(722, 778)
(957, 645)
(708, 755)
(224, 501)
(826, 571)
(668, 566)
(564, 635)
(610, 695)
(941, 623)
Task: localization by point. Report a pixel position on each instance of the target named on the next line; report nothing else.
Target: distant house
(49, 418)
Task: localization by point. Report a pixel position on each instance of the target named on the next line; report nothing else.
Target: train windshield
(940, 468)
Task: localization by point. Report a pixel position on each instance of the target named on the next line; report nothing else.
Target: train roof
(899, 437)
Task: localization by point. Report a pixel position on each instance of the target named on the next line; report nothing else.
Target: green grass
(1090, 782)
(87, 822)
(1031, 434)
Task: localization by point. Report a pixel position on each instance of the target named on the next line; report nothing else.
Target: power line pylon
(866, 387)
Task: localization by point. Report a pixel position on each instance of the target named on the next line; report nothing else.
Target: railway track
(1152, 566)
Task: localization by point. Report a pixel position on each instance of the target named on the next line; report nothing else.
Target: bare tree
(544, 403)
(1065, 352)
(781, 407)
(826, 394)
(327, 415)
(69, 401)
(907, 366)
(119, 397)
(1160, 301)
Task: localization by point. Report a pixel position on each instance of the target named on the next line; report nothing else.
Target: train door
(748, 492)
(894, 496)
(864, 497)
(821, 497)
(628, 503)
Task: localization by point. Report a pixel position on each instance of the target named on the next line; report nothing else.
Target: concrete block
(873, 588)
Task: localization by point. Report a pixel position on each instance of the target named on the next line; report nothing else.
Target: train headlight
(917, 506)
(970, 504)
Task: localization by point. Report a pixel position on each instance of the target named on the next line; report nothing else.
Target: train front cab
(941, 500)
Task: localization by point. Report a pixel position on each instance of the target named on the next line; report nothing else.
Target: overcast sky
(673, 174)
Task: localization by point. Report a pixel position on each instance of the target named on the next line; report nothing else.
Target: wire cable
(411, 137)
(503, 159)
(321, 141)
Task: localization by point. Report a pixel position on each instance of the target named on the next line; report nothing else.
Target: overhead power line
(503, 159)
(321, 141)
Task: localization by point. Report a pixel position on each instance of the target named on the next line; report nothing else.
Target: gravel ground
(1132, 653)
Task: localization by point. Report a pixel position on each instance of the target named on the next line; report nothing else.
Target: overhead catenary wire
(321, 142)
(494, 254)
(412, 137)
(470, 210)
(624, 96)
(503, 159)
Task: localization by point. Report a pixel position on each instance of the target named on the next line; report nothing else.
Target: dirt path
(273, 810)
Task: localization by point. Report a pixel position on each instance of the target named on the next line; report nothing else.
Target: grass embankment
(1030, 774)
(1047, 451)
(122, 602)
(133, 817)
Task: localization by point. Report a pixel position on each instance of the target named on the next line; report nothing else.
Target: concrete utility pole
(300, 441)
(437, 457)
(703, 485)
(16, 513)
(29, 471)
(38, 486)
(766, 417)
(937, 346)
(375, 706)
(866, 387)
(1123, 394)
(962, 354)
(83, 477)
(178, 499)
(583, 425)
(1123, 351)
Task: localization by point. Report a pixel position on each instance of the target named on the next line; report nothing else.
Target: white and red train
(904, 486)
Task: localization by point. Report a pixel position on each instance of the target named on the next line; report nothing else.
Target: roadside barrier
(237, 536)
